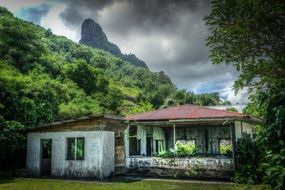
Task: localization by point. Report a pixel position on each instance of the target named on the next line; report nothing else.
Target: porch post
(233, 137)
(174, 136)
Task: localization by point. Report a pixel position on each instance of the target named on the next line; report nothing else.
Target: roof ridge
(177, 106)
(220, 110)
(159, 109)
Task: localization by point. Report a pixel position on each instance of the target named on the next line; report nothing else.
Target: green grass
(51, 184)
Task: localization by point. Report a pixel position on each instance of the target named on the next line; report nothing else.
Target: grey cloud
(35, 14)
(78, 10)
(168, 35)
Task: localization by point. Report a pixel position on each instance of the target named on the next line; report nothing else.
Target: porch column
(174, 135)
(233, 137)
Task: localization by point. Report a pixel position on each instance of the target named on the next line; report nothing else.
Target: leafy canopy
(250, 35)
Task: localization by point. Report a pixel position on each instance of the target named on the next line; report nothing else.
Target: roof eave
(244, 118)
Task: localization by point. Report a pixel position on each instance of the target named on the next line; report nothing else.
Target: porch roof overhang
(196, 121)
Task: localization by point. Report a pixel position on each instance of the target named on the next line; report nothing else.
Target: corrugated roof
(183, 112)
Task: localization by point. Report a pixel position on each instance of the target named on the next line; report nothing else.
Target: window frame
(219, 145)
(75, 158)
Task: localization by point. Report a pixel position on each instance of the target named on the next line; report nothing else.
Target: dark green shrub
(248, 156)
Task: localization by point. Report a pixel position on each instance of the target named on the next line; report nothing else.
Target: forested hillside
(45, 77)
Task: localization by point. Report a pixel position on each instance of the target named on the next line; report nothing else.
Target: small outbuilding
(186, 141)
(88, 147)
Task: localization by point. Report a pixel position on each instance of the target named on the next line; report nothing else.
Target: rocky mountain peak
(92, 31)
(93, 35)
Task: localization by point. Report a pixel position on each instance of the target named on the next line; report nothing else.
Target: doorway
(148, 146)
(46, 152)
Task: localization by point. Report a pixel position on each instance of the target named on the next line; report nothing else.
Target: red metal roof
(183, 112)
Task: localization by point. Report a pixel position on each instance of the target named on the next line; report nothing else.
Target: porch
(205, 139)
(181, 149)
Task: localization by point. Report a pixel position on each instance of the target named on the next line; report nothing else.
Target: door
(148, 146)
(119, 155)
(46, 152)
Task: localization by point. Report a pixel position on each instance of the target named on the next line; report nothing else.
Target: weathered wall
(98, 159)
(157, 134)
(209, 167)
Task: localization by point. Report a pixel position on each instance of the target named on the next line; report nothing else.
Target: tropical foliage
(250, 35)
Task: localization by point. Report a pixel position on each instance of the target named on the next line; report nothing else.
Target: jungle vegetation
(250, 35)
(44, 78)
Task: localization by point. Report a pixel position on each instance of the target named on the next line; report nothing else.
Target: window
(75, 148)
(225, 146)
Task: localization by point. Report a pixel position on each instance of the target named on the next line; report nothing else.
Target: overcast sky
(168, 35)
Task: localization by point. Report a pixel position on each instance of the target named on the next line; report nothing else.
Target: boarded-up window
(225, 146)
(75, 148)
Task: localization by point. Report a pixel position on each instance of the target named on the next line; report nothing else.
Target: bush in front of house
(182, 150)
(185, 150)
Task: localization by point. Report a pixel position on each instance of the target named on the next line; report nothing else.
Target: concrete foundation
(198, 167)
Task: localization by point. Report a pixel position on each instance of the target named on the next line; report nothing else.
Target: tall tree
(250, 34)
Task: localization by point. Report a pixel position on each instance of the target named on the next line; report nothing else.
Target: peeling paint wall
(213, 167)
(98, 159)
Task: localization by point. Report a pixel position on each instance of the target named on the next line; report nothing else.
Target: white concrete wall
(99, 158)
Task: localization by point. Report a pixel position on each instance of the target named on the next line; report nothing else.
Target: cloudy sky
(168, 35)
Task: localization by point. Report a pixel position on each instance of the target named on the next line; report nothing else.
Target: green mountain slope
(45, 77)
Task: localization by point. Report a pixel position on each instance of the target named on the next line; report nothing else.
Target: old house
(212, 133)
(184, 140)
